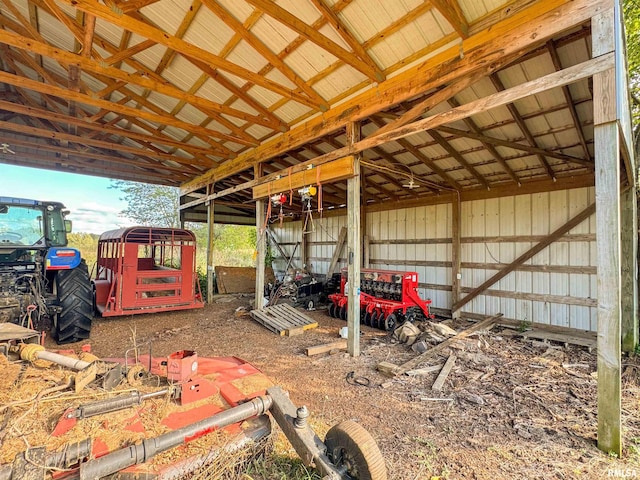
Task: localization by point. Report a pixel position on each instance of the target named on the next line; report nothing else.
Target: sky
(95, 208)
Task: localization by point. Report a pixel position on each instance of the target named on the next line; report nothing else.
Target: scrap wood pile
(35, 396)
(480, 381)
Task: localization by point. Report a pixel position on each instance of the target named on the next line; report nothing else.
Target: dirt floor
(509, 409)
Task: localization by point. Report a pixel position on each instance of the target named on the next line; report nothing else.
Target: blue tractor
(42, 281)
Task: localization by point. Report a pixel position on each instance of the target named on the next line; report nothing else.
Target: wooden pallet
(566, 339)
(283, 319)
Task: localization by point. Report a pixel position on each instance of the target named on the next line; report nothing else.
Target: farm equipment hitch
(35, 462)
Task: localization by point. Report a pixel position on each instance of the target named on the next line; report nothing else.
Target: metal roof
(162, 91)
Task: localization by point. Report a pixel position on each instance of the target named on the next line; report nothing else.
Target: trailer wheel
(73, 289)
(352, 448)
(332, 310)
(310, 305)
(390, 322)
(343, 312)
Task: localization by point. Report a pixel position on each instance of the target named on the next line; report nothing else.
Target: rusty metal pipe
(135, 454)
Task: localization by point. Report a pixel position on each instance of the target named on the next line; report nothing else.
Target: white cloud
(92, 217)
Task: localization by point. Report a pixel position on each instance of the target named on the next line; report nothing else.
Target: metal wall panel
(523, 216)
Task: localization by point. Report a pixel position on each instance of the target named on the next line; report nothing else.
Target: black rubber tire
(350, 445)
(367, 319)
(73, 288)
(390, 322)
(374, 319)
(343, 312)
(332, 310)
(310, 305)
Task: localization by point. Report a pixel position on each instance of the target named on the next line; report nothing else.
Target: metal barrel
(120, 459)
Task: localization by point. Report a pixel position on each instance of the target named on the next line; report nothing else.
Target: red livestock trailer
(145, 270)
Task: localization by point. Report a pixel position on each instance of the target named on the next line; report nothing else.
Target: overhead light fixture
(4, 148)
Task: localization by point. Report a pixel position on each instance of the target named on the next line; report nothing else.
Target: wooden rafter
(555, 58)
(513, 110)
(263, 50)
(484, 138)
(569, 75)
(415, 151)
(471, 124)
(450, 9)
(184, 48)
(339, 26)
(541, 21)
(458, 157)
(298, 26)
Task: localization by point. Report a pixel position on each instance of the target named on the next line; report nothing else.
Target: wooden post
(354, 256)
(456, 274)
(261, 245)
(607, 163)
(210, 244)
(629, 219)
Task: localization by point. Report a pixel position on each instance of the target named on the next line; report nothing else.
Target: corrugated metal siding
(523, 215)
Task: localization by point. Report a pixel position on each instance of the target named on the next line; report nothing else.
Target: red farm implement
(388, 298)
(145, 270)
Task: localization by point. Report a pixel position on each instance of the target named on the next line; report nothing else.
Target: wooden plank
(411, 364)
(629, 258)
(590, 343)
(354, 244)
(538, 297)
(336, 254)
(607, 154)
(329, 172)
(422, 371)
(444, 373)
(579, 218)
(326, 347)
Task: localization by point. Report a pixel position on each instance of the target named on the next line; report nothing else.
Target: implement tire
(73, 288)
(351, 448)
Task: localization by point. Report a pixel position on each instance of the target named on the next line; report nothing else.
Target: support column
(607, 171)
(354, 242)
(456, 274)
(629, 219)
(210, 244)
(261, 245)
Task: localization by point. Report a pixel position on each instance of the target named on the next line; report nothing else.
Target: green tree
(631, 10)
(150, 205)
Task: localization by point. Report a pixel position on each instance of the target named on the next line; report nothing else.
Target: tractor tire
(73, 288)
(351, 447)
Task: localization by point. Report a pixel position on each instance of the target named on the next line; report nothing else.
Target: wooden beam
(484, 138)
(263, 50)
(261, 245)
(552, 237)
(329, 172)
(342, 236)
(57, 117)
(456, 250)
(451, 11)
(333, 20)
(515, 33)
(294, 23)
(629, 256)
(354, 243)
(81, 140)
(179, 45)
(447, 147)
(567, 76)
(523, 126)
(211, 267)
(163, 87)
